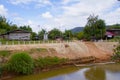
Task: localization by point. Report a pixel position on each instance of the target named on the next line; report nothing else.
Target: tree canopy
(6, 25)
(27, 28)
(67, 35)
(54, 33)
(95, 28)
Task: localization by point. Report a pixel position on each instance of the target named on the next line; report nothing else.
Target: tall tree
(67, 34)
(13, 27)
(95, 28)
(80, 35)
(27, 28)
(33, 36)
(55, 33)
(4, 25)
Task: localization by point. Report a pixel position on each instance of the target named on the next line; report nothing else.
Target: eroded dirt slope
(72, 50)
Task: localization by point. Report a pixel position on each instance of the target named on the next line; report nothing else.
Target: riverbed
(101, 72)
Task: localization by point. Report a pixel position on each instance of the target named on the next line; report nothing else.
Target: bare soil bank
(77, 52)
(71, 50)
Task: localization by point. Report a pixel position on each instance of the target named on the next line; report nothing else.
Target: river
(101, 72)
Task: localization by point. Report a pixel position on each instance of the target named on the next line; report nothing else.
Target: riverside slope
(71, 50)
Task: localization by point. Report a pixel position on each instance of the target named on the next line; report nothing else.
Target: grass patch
(42, 49)
(37, 50)
(49, 61)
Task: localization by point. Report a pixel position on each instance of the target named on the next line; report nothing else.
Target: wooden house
(16, 35)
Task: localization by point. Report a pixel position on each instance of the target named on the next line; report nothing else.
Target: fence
(44, 42)
(30, 42)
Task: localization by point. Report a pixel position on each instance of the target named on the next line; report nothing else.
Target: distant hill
(77, 29)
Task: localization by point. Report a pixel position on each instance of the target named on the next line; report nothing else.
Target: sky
(61, 14)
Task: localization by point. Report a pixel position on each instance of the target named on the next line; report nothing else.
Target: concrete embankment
(71, 50)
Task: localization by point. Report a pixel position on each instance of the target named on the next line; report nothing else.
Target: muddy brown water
(101, 72)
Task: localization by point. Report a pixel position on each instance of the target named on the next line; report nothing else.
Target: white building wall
(19, 36)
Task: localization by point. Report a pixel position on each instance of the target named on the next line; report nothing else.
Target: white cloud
(71, 13)
(66, 1)
(16, 2)
(38, 3)
(76, 14)
(43, 3)
(29, 22)
(112, 17)
(18, 19)
(47, 15)
(3, 10)
(69, 1)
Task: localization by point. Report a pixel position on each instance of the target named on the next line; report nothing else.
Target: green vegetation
(26, 28)
(0, 71)
(55, 33)
(116, 55)
(95, 28)
(41, 34)
(37, 50)
(115, 39)
(67, 35)
(48, 62)
(6, 26)
(80, 35)
(21, 63)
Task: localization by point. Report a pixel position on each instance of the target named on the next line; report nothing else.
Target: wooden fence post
(29, 42)
(24, 42)
(6, 43)
(18, 42)
(12, 42)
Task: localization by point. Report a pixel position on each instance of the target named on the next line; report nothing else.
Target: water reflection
(78, 75)
(95, 73)
(103, 72)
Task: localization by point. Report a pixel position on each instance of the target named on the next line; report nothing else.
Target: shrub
(21, 63)
(48, 61)
(116, 55)
(0, 71)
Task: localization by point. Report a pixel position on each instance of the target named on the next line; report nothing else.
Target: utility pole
(38, 31)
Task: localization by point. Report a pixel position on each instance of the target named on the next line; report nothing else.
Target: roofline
(112, 29)
(20, 30)
(15, 30)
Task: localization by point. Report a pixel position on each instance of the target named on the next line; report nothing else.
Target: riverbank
(73, 52)
(82, 62)
(102, 72)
